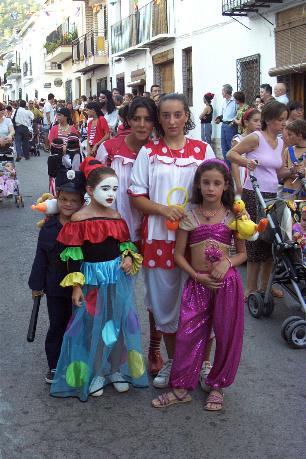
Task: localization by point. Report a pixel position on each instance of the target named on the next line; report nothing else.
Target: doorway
(166, 76)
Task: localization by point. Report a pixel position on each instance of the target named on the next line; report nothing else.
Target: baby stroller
(7, 157)
(34, 146)
(289, 270)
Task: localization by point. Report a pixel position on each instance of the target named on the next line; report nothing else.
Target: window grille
(187, 74)
(248, 76)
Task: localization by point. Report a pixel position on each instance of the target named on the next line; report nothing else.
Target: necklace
(65, 128)
(180, 150)
(208, 214)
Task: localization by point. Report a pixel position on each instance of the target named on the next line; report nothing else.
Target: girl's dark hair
(298, 127)
(240, 96)
(295, 105)
(228, 195)
(96, 107)
(110, 104)
(142, 102)
(248, 115)
(57, 146)
(181, 98)
(123, 113)
(272, 111)
(96, 175)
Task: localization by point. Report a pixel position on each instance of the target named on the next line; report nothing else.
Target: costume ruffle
(75, 253)
(73, 279)
(103, 336)
(137, 260)
(130, 246)
(94, 230)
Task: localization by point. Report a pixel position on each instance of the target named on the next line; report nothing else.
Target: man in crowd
(22, 120)
(266, 93)
(115, 92)
(229, 111)
(280, 91)
(48, 118)
(155, 90)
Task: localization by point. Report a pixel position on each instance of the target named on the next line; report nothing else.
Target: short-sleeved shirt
(5, 126)
(48, 109)
(299, 153)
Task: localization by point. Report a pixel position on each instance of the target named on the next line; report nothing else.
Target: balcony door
(166, 76)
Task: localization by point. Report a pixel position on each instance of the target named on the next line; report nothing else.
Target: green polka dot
(77, 374)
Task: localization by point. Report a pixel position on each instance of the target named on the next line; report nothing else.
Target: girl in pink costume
(213, 293)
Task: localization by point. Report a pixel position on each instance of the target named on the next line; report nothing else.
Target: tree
(13, 14)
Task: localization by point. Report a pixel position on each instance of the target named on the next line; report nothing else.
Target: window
(187, 75)
(248, 76)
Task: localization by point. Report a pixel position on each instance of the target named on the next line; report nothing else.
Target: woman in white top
(109, 110)
(6, 129)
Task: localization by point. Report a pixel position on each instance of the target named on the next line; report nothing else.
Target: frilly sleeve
(188, 222)
(73, 279)
(74, 253)
(140, 175)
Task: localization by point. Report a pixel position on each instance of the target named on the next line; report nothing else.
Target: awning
(287, 69)
(140, 82)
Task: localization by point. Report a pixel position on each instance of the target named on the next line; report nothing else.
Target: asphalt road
(263, 414)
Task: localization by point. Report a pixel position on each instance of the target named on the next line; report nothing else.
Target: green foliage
(13, 14)
(65, 39)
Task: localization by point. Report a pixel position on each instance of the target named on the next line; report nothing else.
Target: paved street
(263, 410)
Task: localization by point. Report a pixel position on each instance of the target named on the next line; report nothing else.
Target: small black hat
(70, 181)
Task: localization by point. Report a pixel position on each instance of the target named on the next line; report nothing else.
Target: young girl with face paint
(162, 165)
(102, 343)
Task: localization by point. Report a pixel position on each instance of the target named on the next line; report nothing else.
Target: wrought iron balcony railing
(91, 44)
(141, 27)
(243, 7)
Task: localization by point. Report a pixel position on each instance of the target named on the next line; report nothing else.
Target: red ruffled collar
(94, 230)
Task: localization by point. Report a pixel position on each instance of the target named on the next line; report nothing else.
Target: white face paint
(106, 191)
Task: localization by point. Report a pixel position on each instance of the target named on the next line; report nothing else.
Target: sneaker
(118, 382)
(96, 386)
(162, 379)
(206, 367)
(49, 378)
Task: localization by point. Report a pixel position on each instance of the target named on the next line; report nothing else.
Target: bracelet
(230, 263)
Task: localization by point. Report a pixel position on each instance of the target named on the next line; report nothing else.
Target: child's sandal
(215, 397)
(170, 398)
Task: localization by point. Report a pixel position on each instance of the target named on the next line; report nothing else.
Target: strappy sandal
(217, 398)
(164, 400)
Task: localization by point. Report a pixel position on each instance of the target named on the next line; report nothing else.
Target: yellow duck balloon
(244, 226)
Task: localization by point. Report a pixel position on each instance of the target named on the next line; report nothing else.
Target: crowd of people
(159, 199)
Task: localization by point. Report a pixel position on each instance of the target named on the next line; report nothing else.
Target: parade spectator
(38, 118)
(9, 111)
(265, 93)
(280, 91)
(239, 97)
(98, 129)
(109, 110)
(261, 152)
(118, 100)
(64, 127)
(48, 118)
(296, 111)
(294, 158)
(115, 92)
(257, 102)
(135, 93)
(23, 126)
(155, 89)
(146, 95)
(83, 102)
(74, 115)
(6, 129)
(157, 170)
(229, 111)
(128, 98)
(206, 118)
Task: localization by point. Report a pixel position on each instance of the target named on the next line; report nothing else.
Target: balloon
(109, 333)
(77, 374)
(136, 364)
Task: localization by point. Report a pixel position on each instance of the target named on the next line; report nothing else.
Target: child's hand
(77, 296)
(36, 293)
(208, 281)
(219, 269)
(127, 264)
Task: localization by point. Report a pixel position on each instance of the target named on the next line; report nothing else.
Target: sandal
(215, 397)
(170, 398)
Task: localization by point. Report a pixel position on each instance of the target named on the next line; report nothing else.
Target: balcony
(149, 26)
(244, 7)
(89, 51)
(13, 73)
(53, 68)
(27, 71)
(59, 43)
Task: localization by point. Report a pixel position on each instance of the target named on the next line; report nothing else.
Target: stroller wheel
(296, 334)
(286, 324)
(256, 305)
(269, 307)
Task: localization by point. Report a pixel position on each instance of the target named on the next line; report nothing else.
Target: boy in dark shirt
(48, 271)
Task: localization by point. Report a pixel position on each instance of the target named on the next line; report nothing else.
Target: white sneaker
(206, 367)
(95, 386)
(118, 382)
(162, 379)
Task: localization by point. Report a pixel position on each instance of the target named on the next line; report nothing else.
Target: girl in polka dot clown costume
(161, 166)
(102, 343)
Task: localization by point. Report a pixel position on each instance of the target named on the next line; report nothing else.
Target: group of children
(86, 255)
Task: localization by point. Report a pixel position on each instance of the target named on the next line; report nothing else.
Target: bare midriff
(198, 261)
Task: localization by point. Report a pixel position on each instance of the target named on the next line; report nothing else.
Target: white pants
(163, 296)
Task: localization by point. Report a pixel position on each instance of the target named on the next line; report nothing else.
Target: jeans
(227, 133)
(206, 131)
(22, 137)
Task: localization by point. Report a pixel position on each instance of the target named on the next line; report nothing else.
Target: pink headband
(217, 161)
